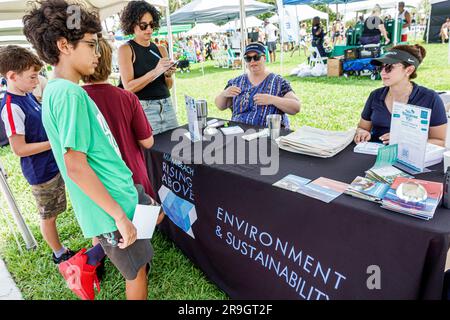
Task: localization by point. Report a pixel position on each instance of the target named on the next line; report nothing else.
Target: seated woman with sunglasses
(144, 66)
(398, 67)
(258, 93)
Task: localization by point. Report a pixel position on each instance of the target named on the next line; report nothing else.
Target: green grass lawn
(328, 103)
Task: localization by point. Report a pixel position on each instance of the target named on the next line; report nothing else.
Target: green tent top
(175, 29)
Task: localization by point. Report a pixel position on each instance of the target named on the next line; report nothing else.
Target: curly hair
(50, 20)
(18, 59)
(133, 13)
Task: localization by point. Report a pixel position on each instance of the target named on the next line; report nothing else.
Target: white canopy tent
(250, 22)
(14, 9)
(201, 29)
(11, 28)
(303, 12)
(14, 40)
(199, 11)
(350, 9)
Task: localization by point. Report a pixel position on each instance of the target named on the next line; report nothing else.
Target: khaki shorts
(50, 197)
(131, 259)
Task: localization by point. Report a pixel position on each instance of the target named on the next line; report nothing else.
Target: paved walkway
(8, 289)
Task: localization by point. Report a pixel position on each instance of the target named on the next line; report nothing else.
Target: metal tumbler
(274, 125)
(202, 112)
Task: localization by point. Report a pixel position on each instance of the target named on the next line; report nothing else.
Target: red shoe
(80, 277)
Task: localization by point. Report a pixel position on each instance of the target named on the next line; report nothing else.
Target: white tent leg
(282, 35)
(243, 32)
(11, 228)
(170, 40)
(396, 27)
(27, 236)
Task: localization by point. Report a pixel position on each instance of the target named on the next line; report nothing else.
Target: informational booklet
(145, 218)
(383, 170)
(368, 148)
(194, 127)
(324, 189)
(409, 130)
(367, 189)
(416, 198)
(292, 183)
(386, 174)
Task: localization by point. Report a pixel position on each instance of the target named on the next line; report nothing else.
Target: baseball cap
(396, 56)
(255, 47)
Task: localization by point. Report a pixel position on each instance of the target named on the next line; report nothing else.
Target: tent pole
(428, 27)
(243, 32)
(396, 26)
(282, 35)
(169, 34)
(298, 26)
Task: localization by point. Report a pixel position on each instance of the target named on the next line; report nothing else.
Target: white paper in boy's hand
(144, 220)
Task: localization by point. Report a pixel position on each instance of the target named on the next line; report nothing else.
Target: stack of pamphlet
(367, 189)
(386, 174)
(434, 154)
(416, 198)
(316, 142)
(322, 189)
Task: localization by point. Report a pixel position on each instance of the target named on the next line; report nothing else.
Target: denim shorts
(161, 114)
(272, 46)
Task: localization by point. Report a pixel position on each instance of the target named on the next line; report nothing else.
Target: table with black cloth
(257, 241)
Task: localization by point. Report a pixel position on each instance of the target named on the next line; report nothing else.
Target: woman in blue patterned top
(258, 93)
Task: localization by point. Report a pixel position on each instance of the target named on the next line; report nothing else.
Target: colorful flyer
(409, 130)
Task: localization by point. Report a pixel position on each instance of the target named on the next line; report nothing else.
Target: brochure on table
(409, 130)
(322, 189)
(194, 128)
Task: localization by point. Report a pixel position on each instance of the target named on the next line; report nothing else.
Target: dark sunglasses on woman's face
(143, 25)
(387, 67)
(249, 59)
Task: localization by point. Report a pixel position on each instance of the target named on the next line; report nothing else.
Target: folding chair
(315, 57)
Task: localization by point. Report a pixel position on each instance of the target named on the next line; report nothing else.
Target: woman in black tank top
(145, 68)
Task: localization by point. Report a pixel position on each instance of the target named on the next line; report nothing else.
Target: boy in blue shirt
(22, 116)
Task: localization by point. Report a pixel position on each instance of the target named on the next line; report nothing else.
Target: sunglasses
(255, 58)
(143, 25)
(387, 67)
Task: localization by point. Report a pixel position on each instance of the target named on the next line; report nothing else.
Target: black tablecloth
(256, 241)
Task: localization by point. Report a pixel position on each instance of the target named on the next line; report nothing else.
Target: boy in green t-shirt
(99, 183)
